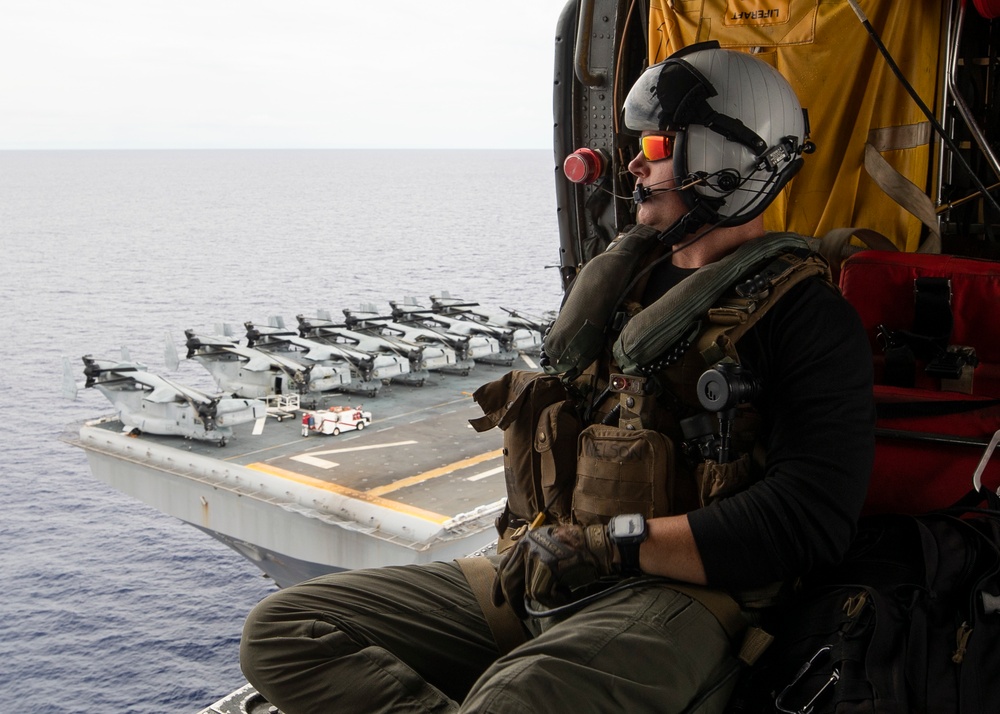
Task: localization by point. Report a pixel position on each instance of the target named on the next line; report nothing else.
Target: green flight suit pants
(413, 639)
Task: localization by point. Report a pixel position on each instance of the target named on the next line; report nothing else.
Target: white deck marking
(528, 361)
(313, 461)
(312, 458)
(484, 474)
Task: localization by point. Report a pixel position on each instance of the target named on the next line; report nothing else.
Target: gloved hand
(550, 562)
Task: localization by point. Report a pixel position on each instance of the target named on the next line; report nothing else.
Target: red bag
(933, 430)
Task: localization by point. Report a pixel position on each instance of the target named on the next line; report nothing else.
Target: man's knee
(260, 629)
(516, 685)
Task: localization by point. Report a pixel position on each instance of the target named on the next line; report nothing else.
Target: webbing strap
(835, 245)
(903, 191)
(932, 315)
(507, 629)
(752, 641)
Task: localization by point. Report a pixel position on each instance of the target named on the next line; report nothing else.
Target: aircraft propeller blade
(170, 356)
(70, 389)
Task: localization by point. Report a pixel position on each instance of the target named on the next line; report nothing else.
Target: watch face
(630, 527)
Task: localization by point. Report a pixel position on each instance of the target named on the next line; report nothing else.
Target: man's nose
(637, 165)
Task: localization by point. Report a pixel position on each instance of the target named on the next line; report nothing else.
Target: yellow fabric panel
(823, 50)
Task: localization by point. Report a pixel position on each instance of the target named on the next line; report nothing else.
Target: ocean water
(109, 605)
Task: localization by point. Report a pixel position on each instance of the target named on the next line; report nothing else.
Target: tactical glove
(549, 563)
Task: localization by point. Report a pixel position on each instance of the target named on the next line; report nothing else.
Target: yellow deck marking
(350, 492)
(434, 473)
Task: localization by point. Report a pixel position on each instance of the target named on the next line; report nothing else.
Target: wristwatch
(627, 532)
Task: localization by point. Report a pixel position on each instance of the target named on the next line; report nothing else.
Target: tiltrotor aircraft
(521, 332)
(483, 345)
(367, 369)
(437, 353)
(455, 348)
(156, 405)
(256, 374)
(420, 358)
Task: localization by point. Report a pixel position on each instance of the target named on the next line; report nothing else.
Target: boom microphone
(643, 193)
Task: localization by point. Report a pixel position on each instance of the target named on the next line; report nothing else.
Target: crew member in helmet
(626, 603)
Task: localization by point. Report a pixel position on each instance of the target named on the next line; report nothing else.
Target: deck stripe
(312, 458)
(350, 492)
(434, 473)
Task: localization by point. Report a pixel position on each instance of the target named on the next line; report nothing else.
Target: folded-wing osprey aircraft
(439, 353)
(149, 403)
(367, 369)
(419, 358)
(253, 373)
(525, 332)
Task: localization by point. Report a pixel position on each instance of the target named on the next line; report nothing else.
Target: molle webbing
(578, 334)
(731, 318)
(652, 332)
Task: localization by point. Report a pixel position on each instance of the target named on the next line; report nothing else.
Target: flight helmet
(740, 129)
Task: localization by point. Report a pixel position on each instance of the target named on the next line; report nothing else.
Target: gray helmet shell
(740, 128)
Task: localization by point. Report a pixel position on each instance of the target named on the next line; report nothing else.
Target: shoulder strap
(507, 629)
(734, 316)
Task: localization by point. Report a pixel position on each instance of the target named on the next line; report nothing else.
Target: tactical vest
(615, 424)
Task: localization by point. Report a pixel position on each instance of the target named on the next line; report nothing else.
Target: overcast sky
(277, 74)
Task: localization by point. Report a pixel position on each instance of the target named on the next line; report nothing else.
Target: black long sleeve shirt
(814, 362)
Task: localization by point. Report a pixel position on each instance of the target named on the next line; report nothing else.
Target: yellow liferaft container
(863, 121)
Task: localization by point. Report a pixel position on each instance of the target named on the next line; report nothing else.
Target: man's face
(653, 167)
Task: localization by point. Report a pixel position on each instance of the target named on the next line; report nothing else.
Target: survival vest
(615, 424)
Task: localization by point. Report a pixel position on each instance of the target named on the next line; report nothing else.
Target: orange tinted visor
(657, 147)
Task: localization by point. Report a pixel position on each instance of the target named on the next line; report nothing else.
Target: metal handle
(584, 32)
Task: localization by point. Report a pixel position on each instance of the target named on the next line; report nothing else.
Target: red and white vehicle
(336, 419)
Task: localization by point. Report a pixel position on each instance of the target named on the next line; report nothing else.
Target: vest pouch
(555, 443)
(516, 404)
(622, 471)
(716, 481)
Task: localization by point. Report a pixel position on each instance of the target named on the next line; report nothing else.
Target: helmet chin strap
(687, 224)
